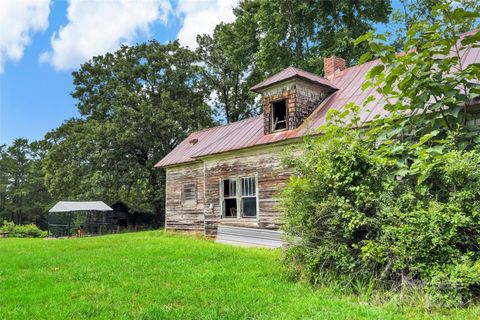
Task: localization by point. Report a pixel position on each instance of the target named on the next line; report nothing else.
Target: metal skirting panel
(251, 237)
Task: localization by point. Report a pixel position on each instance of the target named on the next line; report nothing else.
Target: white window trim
(238, 195)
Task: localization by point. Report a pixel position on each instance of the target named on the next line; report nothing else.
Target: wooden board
(205, 215)
(249, 237)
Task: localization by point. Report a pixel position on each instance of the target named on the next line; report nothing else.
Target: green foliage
(430, 79)
(136, 105)
(352, 215)
(22, 231)
(228, 70)
(409, 12)
(398, 199)
(268, 36)
(23, 195)
(303, 32)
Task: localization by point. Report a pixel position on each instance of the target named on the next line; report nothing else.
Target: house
(229, 175)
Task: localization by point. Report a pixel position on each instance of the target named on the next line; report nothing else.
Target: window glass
(248, 187)
(243, 202)
(249, 207)
(249, 197)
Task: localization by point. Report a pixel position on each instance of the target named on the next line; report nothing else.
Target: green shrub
(399, 198)
(22, 231)
(356, 212)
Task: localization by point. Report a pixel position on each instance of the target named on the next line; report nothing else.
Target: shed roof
(249, 132)
(70, 206)
(290, 73)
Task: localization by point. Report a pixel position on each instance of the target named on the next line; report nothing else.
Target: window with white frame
(239, 197)
(189, 193)
(248, 198)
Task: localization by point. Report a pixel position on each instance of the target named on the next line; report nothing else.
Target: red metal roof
(248, 133)
(290, 73)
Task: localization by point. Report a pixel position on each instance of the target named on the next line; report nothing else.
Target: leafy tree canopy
(268, 36)
(136, 105)
(23, 196)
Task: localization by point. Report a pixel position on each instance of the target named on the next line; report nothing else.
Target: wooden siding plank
(206, 214)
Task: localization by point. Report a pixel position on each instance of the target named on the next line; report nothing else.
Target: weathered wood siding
(184, 216)
(264, 163)
(301, 97)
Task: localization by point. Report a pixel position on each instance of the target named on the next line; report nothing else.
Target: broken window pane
(230, 208)
(244, 202)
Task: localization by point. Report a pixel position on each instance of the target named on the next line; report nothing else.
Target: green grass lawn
(157, 275)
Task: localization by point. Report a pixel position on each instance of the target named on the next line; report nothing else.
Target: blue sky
(43, 41)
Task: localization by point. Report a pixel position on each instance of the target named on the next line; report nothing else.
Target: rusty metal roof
(248, 133)
(290, 73)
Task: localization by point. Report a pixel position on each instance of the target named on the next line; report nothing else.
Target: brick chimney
(332, 65)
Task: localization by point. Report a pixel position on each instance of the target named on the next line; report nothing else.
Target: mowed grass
(158, 275)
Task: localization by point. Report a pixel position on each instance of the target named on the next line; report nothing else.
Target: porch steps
(249, 237)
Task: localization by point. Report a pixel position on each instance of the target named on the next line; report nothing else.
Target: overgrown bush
(354, 215)
(397, 199)
(22, 231)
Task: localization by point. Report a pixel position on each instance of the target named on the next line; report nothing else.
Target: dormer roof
(291, 73)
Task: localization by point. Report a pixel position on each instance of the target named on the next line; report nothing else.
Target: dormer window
(290, 96)
(279, 115)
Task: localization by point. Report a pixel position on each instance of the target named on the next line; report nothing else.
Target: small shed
(68, 218)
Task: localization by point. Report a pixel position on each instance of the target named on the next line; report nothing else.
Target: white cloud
(19, 19)
(97, 27)
(201, 17)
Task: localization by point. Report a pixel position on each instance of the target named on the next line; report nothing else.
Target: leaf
(402, 172)
(367, 36)
(424, 139)
(367, 56)
(375, 71)
(454, 111)
(366, 84)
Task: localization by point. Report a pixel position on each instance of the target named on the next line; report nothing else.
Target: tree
(17, 167)
(136, 105)
(430, 82)
(23, 196)
(395, 201)
(268, 36)
(302, 33)
(229, 71)
(410, 12)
